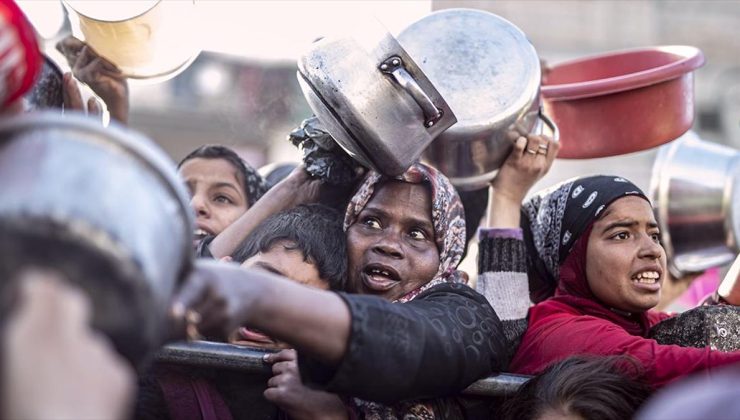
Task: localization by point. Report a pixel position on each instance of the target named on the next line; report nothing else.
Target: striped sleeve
(502, 279)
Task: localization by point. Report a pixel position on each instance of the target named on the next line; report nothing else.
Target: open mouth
(199, 234)
(648, 280)
(379, 278)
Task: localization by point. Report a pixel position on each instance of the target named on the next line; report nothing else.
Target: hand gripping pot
(373, 99)
(149, 40)
(489, 73)
(695, 189)
(103, 206)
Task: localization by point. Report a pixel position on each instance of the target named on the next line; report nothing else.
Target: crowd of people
(358, 300)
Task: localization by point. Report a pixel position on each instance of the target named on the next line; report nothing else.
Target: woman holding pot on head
(415, 333)
(597, 238)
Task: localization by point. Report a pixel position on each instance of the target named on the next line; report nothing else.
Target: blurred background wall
(241, 91)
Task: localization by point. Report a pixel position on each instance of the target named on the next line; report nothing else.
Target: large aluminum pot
(489, 73)
(372, 98)
(151, 40)
(695, 188)
(104, 206)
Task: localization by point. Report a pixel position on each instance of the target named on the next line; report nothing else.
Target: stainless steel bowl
(113, 195)
(489, 74)
(695, 189)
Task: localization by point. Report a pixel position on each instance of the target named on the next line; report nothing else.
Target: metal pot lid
(483, 65)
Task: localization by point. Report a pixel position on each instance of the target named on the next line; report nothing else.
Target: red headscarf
(573, 290)
(576, 322)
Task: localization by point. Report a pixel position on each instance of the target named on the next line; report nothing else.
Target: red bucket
(622, 102)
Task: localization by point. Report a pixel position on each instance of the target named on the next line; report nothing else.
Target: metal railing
(205, 354)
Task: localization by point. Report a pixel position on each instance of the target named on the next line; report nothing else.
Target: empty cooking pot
(623, 101)
(489, 73)
(372, 98)
(106, 208)
(695, 191)
(150, 40)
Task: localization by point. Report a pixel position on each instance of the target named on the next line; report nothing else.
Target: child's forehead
(212, 170)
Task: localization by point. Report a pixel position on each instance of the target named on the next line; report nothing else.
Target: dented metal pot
(103, 206)
(372, 98)
(489, 73)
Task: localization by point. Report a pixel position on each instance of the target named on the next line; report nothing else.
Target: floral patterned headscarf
(448, 219)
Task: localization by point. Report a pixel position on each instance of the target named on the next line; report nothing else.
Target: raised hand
(103, 77)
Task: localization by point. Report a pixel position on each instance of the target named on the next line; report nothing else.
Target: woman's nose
(389, 245)
(650, 248)
(199, 206)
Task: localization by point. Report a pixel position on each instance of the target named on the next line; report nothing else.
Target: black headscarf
(554, 219)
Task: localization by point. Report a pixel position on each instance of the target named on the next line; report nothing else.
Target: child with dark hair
(306, 244)
(581, 387)
(312, 232)
(222, 186)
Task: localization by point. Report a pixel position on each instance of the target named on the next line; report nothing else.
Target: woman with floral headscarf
(596, 240)
(405, 239)
(416, 331)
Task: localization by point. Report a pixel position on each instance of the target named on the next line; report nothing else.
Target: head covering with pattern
(555, 218)
(448, 219)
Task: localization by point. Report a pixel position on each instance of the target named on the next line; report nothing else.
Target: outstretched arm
(347, 341)
(218, 298)
(297, 188)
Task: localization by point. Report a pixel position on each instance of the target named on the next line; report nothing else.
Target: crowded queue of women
(367, 313)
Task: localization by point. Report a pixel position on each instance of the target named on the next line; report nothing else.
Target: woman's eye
(223, 199)
(656, 237)
(371, 222)
(417, 234)
(621, 235)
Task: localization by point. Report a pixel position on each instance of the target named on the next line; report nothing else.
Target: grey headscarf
(554, 219)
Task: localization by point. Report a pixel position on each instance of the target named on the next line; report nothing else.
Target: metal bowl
(489, 74)
(104, 206)
(695, 190)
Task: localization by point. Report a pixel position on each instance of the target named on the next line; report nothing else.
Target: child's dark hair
(316, 231)
(253, 183)
(590, 387)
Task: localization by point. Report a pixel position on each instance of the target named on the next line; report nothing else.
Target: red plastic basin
(622, 102)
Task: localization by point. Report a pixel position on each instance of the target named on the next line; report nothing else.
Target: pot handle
(394, 67)
(550, 123)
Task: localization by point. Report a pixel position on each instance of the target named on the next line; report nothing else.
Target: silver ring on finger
(531, 151)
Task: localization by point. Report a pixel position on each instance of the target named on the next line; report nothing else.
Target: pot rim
(132, 142)
(690, 58)
(659, 190)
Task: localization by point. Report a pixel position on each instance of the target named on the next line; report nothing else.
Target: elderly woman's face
(391, 245)
(625, 263)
